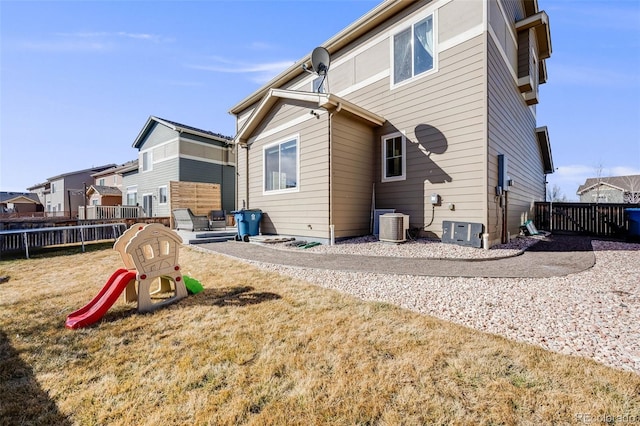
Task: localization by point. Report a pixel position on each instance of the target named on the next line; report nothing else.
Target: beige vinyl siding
(458, 16)
(305, 211)
(442, 116)
(342, 77)
(512, 133)
(353, 173)
(372, 61)
(214, 153)
(164, 151)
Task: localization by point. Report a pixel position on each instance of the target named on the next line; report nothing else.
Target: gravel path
(594, 313)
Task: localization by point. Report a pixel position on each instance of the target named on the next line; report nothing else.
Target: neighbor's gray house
(170, 151)
(421, 98)
(615, 189)
(62, 195)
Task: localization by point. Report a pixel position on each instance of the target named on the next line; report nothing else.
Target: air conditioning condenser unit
(394, 227)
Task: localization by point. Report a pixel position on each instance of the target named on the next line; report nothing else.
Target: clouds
(85, 41)
(258, 72)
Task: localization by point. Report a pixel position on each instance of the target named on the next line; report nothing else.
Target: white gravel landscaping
(595, 313)
(420, 248)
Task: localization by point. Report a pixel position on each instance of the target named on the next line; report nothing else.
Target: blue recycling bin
(248, 223)
(634, 222)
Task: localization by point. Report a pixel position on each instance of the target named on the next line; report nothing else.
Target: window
(281, 166)
(393, 157)
(413, 50)
(162, 195)
(101, 182)
(132, 195)
(317, 85)
(53, 188)
(146, 162)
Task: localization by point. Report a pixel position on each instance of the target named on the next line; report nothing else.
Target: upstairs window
(394, 158)
(281, 166)
(413, 52)
(146, 162)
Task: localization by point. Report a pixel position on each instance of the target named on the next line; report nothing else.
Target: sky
(79, 79)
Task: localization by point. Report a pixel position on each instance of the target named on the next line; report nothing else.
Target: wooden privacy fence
(200, 197)
(23, 239)
(599, 219)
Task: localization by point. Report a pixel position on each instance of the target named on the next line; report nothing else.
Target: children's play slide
(99, 305)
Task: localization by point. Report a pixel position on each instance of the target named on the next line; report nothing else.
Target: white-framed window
(132, 195)
(413, 50)
(145, 161)
(317, 85)
(101, 182)
(394, 157)
(162, 194)
(281, 166)
(53, 188)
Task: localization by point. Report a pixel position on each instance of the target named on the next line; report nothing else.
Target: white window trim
(160, 203)
(133, 189)
(295, 137)
(436, 49)
(384, 157)
(150, 161)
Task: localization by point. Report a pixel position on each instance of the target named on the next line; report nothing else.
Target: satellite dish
(320, 60)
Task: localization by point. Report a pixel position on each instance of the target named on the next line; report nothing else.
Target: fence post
(26, 244)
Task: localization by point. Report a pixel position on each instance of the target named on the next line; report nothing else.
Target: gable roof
(622, 183)
(89, 170)
(11, 197)
(22, 199)
(116, 169)
(178, 127)
(319, 100)
(375, 17)
(104, 190)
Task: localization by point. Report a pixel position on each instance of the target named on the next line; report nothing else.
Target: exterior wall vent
(393, 227)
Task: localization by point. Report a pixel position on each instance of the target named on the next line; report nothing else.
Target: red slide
(99, 305)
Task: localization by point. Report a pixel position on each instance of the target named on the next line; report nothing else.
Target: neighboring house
(421, 98)
(99, 195)
(615, 189)
(170, 151)
(42, 191)
(61, 195)
(106, 189)
(19, 202)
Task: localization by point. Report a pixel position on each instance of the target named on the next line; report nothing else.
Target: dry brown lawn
(259, 348)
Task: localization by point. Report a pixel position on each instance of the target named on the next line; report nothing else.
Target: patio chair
(185, 219)
(217, 219)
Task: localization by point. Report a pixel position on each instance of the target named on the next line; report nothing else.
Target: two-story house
(170, 151)
(62, 195)
(427, 107)
(612, 189)
(106, 189)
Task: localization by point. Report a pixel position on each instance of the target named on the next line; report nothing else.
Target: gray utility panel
(462, 233)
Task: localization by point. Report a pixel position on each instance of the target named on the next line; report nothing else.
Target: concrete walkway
(562, 255)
